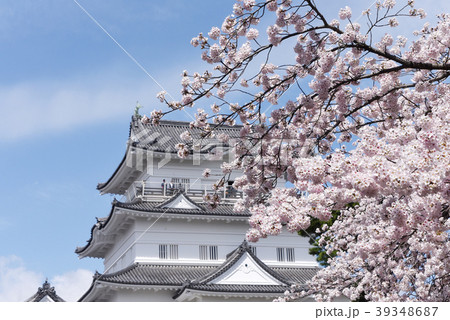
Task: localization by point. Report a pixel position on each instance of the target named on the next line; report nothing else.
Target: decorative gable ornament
(46, 293)
(246, 271)
(180, 201)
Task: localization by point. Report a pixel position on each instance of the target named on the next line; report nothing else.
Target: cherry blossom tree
(351, 115)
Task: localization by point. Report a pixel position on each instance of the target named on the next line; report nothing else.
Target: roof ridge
(181, 123)
(156, 206)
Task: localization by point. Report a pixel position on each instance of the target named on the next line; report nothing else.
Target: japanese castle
(161, 241)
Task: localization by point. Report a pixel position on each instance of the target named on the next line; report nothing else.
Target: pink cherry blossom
(356, 121)
(345, 13)
(252, 33)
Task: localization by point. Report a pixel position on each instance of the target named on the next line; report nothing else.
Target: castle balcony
(153, 191)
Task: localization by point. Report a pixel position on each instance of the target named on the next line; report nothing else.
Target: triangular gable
(246, 271)
(46, 298)
(46, 293)
(180, 201)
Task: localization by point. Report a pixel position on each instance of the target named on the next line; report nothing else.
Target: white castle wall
(140, 244)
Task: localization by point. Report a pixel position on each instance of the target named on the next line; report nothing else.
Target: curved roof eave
(181, 213)
(82, 251)
(102, 186)
(122, 177)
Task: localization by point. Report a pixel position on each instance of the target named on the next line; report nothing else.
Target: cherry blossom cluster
(351, 118)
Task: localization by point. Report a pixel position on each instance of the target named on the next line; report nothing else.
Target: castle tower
(161, 241)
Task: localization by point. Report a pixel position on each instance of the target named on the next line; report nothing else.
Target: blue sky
(67, 93)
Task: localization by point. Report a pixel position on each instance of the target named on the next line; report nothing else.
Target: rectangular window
(180, 183)
(168, 251)
(203, 252)
(253, 249)
(286, 254)
(280, 254)
(213, 253)
(173, 251)
(163, 251)
(290, 256)
(208, 253)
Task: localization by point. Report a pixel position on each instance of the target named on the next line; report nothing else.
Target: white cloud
(36, 108)
(73, 284)
(17, 283)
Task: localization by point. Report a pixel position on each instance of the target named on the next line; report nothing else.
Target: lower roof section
(153, 274)
(186, 281)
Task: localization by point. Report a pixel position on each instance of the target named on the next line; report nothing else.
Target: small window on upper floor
(168, 251)
(290, 255)
(208, 252)
(285, 254)
(253, 250)
(180, 184)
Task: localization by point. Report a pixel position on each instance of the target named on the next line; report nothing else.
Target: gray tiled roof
(166, 135)
(45, 290)
(238, 288)
(286, 275)
(198, 277)
(177, 275)
(152, 274)
(184, 277)
(300, 276)
(222, 210)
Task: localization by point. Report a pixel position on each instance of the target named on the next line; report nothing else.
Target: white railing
(146, 190)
